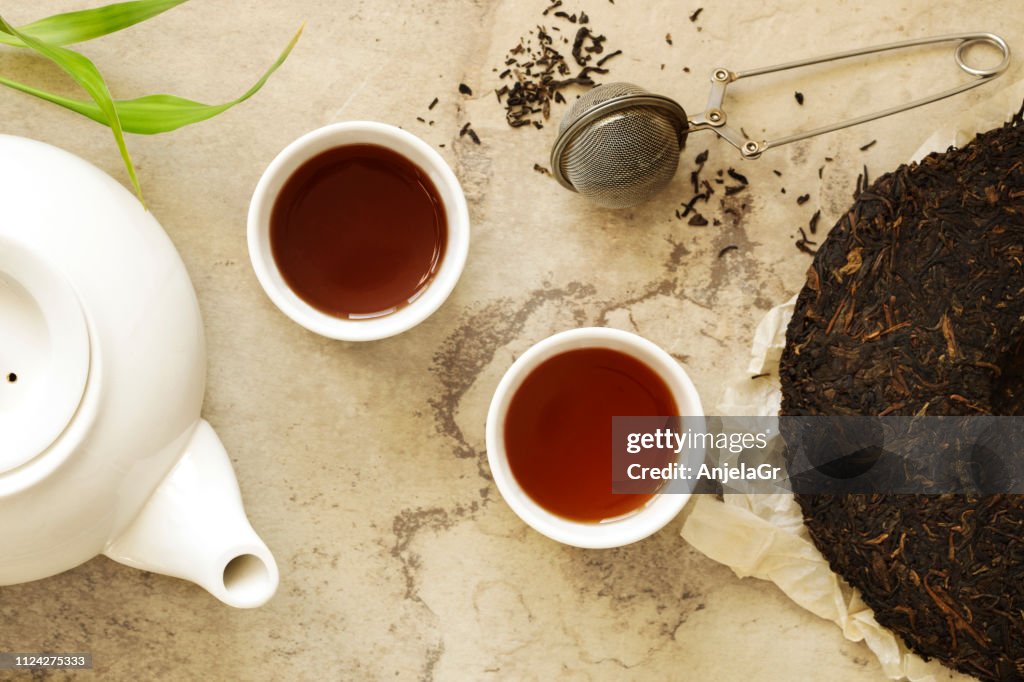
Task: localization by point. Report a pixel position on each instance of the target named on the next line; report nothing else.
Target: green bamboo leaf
(154, 113)
(78, 27)
(85, 73)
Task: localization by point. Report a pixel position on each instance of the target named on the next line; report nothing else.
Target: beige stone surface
(363, 466)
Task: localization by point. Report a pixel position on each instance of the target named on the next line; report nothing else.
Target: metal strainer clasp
(619, 144)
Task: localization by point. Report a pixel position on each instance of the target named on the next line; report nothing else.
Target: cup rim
(417, 152)
(623, 530)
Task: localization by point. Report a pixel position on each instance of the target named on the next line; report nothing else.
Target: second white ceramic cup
(615, 532)
(358, 132)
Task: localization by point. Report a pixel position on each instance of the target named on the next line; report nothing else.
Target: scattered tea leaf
(813, 224)
(536, 71)
(738, 176)
(805, 248)
(602, 60)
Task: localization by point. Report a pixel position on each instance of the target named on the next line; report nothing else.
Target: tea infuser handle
(714, 117)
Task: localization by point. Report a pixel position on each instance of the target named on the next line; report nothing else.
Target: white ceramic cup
(358, 132)
(623, 530)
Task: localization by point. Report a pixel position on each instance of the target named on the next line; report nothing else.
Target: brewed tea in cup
(358, 231)
(549, 434)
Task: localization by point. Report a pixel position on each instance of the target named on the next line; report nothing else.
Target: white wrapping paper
(763, 536)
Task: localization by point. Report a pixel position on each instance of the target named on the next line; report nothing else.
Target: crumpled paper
(763, 536)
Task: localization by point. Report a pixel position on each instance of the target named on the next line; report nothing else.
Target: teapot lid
(44, 354)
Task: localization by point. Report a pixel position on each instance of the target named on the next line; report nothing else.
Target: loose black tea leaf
(869, 145)
(465, 89)
(555, 5)
(727, 249)
(537, 71)
(805, 248)
(912, 306)
(799, 98)
(433, 104)
(688, 206)
(737, 176)
(813, 224)
(803, 199)
(693, 17)
(668, 38)
(704, 189)
(804, 244)
(602, 60)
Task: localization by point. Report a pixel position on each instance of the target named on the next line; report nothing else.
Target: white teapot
(102, 372)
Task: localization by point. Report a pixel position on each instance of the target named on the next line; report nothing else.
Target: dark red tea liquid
(558, 430)
(358, 231)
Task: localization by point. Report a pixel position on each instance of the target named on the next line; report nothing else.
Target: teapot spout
(194, 527)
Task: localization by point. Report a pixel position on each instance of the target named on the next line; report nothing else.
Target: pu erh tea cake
(914, 305)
